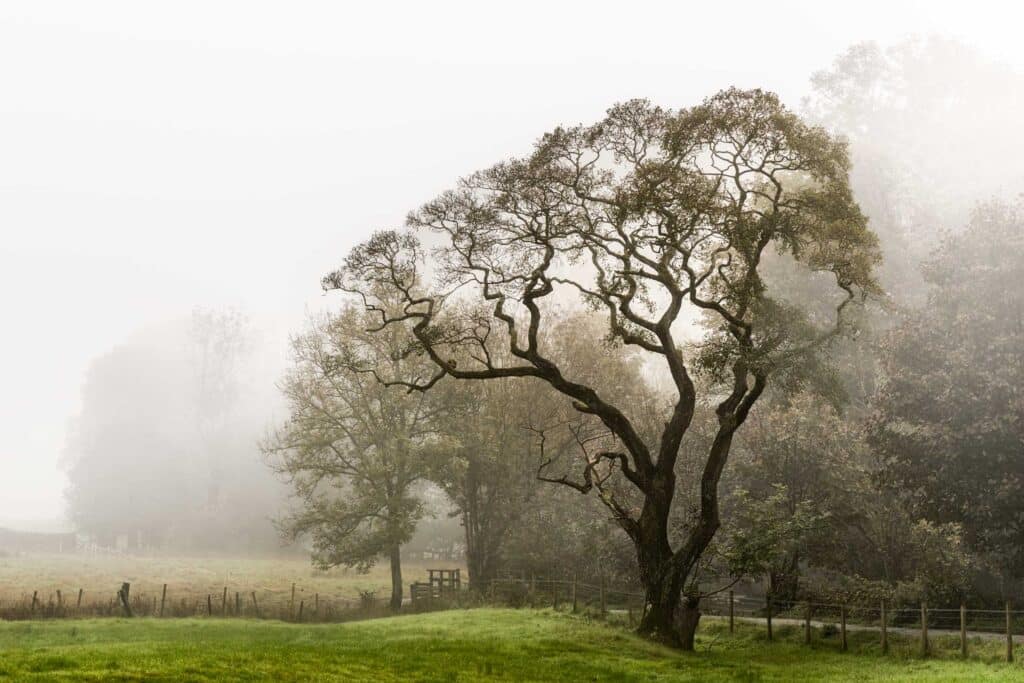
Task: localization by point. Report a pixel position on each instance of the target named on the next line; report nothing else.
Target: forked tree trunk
(396, 578)
(670, 618)
(662, 583)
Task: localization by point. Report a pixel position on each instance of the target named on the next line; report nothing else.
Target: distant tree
(489, 472)
(950, 414)
(219, 340)
(656, 218)
(510, 431)
(893, 103)
(767, 536)
(353, 450)
(128, 470)
(792, 487)
(140, 463)
(562, 534)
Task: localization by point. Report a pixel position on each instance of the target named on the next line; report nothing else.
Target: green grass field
(466, 645)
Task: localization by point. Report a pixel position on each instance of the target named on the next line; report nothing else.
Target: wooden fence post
(123, 594)
(574, 593)
(768, 614)
(604, 600)
(807, 625)
(291, 604)
(35, 598)
(163, 599)
(1009, 634)
(842, 626)
(238, 604)
(209, 605)
(60, 599)
(224, 603)
(963, 630)
(255, 605)
(316, 603)
(301, 605)
(79, 603)
(732, 613)
(924, 630)
(885, 630)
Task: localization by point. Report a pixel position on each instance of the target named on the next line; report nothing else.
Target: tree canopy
(352, 450)
(657, 218)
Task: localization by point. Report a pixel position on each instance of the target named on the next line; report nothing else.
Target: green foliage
(948, 419)
(797, 473)
(353, 449)
(761, 532)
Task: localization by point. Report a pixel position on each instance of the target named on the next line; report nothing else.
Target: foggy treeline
(890, 466)
(162, 454)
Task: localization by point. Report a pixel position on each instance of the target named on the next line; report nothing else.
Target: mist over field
(156, 162)
(666, 314)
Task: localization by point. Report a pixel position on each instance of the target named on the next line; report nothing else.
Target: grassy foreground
(470, 645)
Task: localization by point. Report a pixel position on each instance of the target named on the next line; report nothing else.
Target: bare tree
(658, 218)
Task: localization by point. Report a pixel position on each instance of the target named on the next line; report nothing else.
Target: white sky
(159, 156)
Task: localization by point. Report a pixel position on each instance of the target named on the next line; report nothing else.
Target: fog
(227, 155)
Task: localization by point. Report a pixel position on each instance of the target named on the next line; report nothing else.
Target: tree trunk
(662, 583)
(474, 567)
(476, 554)
(659, 621)
(784, 578)
(670, 618)
(396, 578)
(482, 570)
(664, 573)
(483, 548)
(687, 618)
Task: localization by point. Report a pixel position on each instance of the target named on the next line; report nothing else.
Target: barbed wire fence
(260, 602)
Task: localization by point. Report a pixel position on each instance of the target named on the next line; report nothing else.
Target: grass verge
(464, 645)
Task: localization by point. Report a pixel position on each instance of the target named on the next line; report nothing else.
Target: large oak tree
(660, 219)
